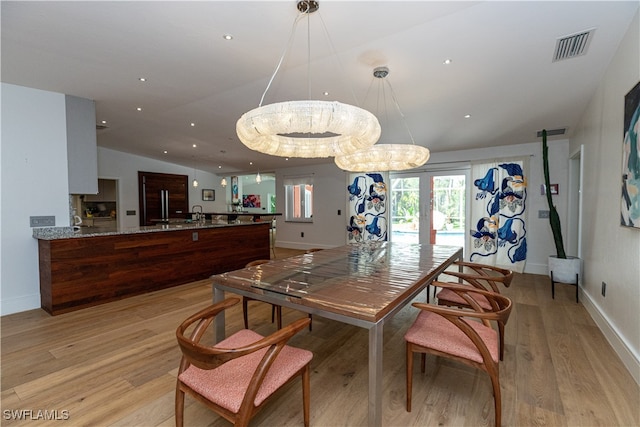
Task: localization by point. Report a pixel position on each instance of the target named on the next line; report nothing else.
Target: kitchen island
(83, 268)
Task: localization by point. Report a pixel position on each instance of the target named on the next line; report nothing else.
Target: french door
(430, 207)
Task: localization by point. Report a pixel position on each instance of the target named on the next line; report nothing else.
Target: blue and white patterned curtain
(498, 214)
(367, 202)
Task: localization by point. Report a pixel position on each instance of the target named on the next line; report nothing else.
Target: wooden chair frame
(501, 308)
(480, 279)
(208, 357)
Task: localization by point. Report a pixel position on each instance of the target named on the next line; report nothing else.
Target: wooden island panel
(82, 272)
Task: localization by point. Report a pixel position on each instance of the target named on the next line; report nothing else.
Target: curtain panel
(499, 214)
(367, 202)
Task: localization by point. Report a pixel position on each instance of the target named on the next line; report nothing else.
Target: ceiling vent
(573, 45)
(100, 126)
(553, 132)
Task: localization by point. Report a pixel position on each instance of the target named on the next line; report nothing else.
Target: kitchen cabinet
(82, 147)
(80, 271)
(162, 196)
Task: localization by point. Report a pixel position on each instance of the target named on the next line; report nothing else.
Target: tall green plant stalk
(554, 218)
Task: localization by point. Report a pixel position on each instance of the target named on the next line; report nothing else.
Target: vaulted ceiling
(502, 73)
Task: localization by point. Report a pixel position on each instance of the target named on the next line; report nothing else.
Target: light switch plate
(42, 221)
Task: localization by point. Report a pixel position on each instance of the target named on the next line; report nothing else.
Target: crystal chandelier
(308, 128)
(385, 157)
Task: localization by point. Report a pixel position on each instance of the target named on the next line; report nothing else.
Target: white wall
(34, 183)
(329, 230)
(329, 195)
(124, 167)
(611, 253)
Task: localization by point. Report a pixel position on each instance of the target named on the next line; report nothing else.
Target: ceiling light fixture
(307, 128)
(385, 157)
(223, 183)
(195, 180)
(258, 178)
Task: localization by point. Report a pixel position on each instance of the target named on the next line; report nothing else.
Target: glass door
(429, 207)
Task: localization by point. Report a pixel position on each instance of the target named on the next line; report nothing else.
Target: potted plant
(562, 268)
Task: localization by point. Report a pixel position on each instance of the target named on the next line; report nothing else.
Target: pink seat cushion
(227, 384)
(433, 331)
(452, 297)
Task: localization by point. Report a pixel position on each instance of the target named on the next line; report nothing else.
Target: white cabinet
(82, 147)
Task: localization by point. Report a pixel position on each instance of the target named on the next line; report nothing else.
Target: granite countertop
(55, 233)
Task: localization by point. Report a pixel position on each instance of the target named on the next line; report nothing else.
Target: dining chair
(237, 376)
(463, 335)
(480, 276)
(276, 310)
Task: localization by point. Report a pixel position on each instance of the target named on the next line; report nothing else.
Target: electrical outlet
(129, 213)
(194, 236)
(604, 289)
(42, 221)
(543, 214)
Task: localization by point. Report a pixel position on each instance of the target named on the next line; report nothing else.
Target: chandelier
(385, 157)
(307, 128)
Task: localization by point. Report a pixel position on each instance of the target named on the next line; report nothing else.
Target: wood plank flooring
(115, 365)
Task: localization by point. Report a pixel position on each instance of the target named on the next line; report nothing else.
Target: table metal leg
(375, 374)
(218, 295)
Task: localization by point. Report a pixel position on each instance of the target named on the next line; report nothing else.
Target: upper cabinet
(82, 147)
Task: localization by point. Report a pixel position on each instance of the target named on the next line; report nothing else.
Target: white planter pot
(564, 270)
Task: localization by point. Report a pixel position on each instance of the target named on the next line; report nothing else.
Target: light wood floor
(115, 365)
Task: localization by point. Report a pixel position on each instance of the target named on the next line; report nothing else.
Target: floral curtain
(498, 213)
(367, 202)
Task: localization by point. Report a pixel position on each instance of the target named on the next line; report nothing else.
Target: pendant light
(308, 128)
(385, 157)
(195, 180)
(223, 183)
(258, 178)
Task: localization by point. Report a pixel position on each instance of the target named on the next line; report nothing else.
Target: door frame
(425, 176)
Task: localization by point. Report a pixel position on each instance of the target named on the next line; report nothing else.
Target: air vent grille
(100, 126)
(553, 132)
(573, 45)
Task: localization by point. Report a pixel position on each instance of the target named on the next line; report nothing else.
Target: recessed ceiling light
(447, 61)
(193, 124)
(219, 166)
(165, 151)
(227, 36)
(325, 93)
(194, 145)
(139, 108)
(104, 122)
(466, 116)
(142, 79)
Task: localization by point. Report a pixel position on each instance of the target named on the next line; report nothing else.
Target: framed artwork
(234, 190)
(208, 195)
(250, 200)
(630, 197)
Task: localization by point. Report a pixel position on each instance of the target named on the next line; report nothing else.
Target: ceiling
(501, 74)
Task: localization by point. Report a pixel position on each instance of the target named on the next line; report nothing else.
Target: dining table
(362, 284)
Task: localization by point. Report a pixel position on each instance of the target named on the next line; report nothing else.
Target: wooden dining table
(361, 284)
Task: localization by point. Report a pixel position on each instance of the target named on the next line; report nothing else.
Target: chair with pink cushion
(480, 276)
(463, 335)
(237, 376)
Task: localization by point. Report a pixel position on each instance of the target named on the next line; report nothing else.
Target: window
(298, 197)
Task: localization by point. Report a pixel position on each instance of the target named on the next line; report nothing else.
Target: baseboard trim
(17, 305)
(630, 360)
